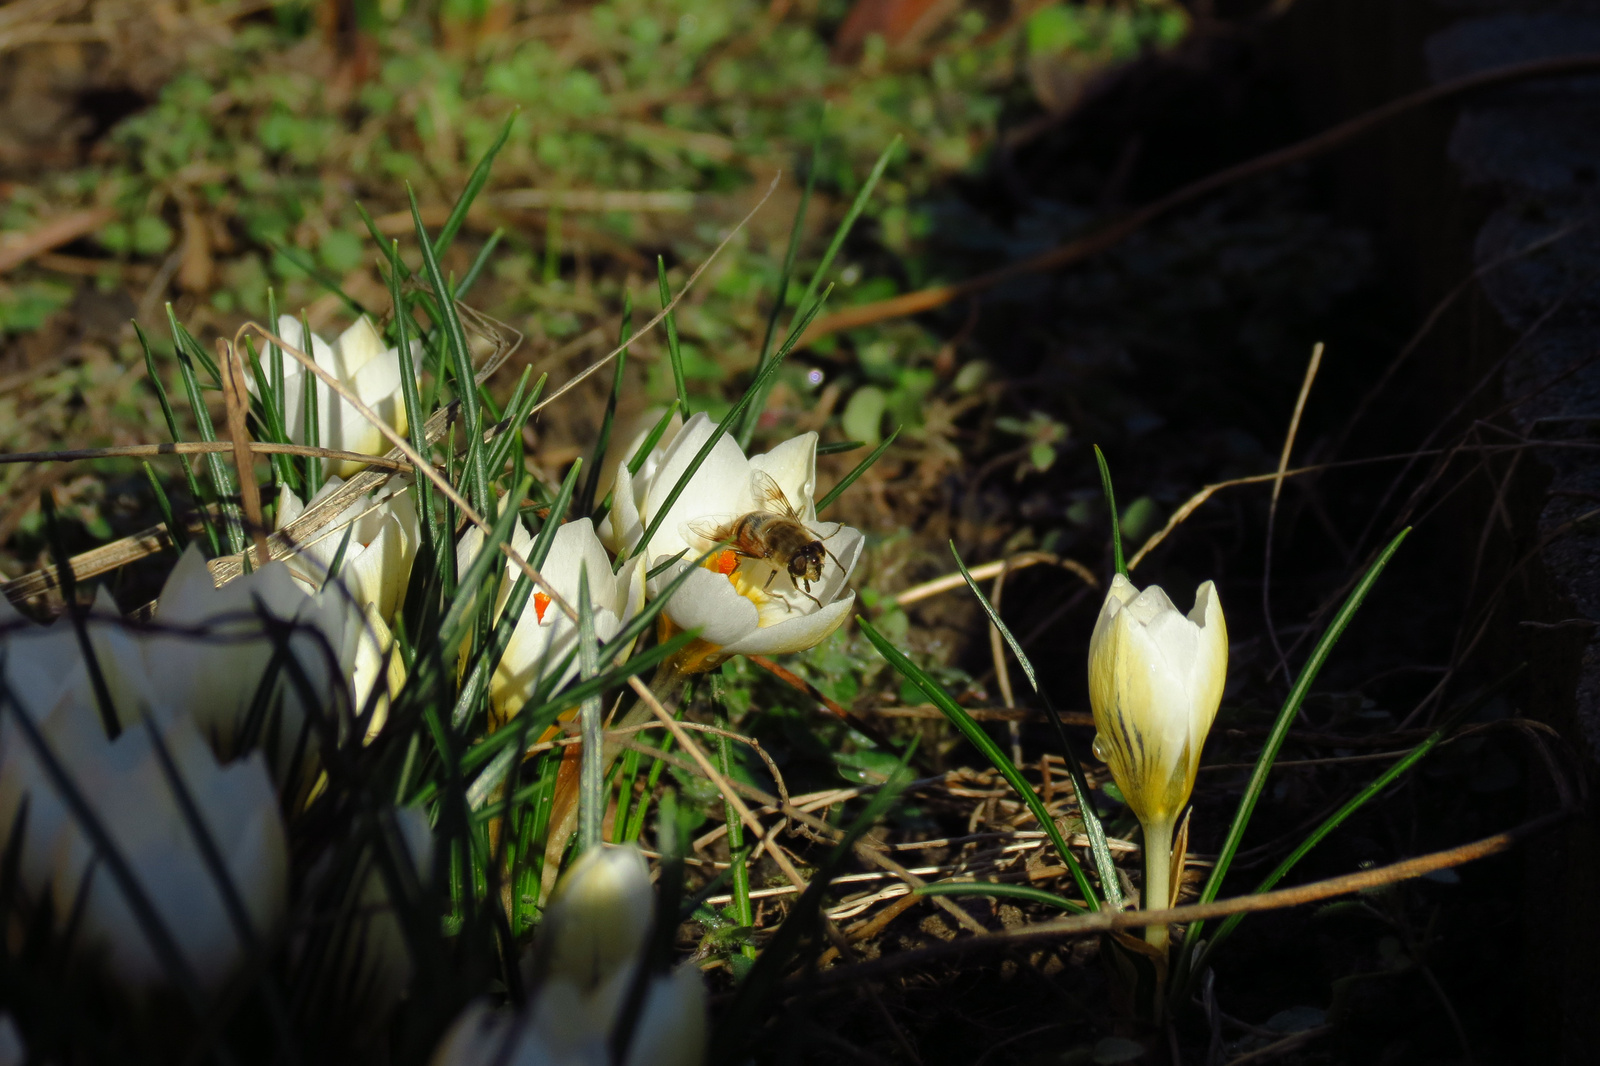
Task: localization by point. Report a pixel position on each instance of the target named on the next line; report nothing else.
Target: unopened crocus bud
(599, 916)
(1155, 681)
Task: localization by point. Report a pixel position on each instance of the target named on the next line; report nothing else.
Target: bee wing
(717, 528)
(770, 496)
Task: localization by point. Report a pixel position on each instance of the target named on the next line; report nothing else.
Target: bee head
(806, 563)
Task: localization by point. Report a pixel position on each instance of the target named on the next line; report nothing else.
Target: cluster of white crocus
(360, 362)
(545, 636)
(741, 604)
(592, 944)
(383, 537)
(1155, 682)
(137, 789)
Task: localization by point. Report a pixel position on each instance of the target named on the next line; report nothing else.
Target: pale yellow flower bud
(1155, 681)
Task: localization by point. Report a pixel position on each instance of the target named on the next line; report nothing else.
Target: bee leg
(770, 576)
(806, 592)
(832, 556)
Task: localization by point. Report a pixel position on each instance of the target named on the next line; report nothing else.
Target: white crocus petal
(482, 1036)
(624, 446)
(671, 1030)
(135, 803)
(360, 362)
(1155, 681)
(45, 664)
(384, 534)
(213, 673)
(544, 634)
(71, 729)
(376, 663)
(599, 917)
(793, 465)
(720, 487)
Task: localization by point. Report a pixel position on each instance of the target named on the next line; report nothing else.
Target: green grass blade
(452, 628)
(461, 364)
(999, 890)
(1092, 828)
(317, 274)
(310, 403)
(475, 183)
(591, 484)
(848, 223)
(839, 446)
(215, 463)
(1111, 505)
(180, 536)
(860, 468)
(481, 261)
(154, 377)
(517, 412)
(592, 768)
(1286, 716)
(984, 743)
(738, 866)
(432, 536)
(1333, 821)
(674, 349)
(781, 297)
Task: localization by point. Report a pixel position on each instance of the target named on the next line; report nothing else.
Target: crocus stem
(1157, 877)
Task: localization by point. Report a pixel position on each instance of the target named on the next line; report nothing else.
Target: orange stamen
(727, 562)
(540, 602)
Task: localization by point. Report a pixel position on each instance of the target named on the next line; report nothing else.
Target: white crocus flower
(591, 943)
(136, 804)
(361, 363)
(384, 534)
(742, 605)
(214, 670)
(44, 665)
(1155, 681)
(544, 635)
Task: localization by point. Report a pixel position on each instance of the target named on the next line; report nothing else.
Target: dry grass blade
(1277, 490)
(994, 569)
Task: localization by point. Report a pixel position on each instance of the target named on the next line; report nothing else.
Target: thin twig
(1277, 491)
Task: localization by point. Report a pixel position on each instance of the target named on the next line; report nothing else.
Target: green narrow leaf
(743, 913)
(317, 274)
(481, 261)
(674, 349)
(839, 446)
(592, 770)
(847, 224)
(860, 468)
(461, 364)
(432, 536)
(1286, 716)
(592, 484)
(1111, 505)
(180, 536)
(1092, 828)
(310, 403)
(478, 571)
(475, 183)
(999, 890)
(221, 481)
(780, 298)
(154, 377)
(983, 742)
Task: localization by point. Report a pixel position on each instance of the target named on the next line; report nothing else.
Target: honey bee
(774, 533)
